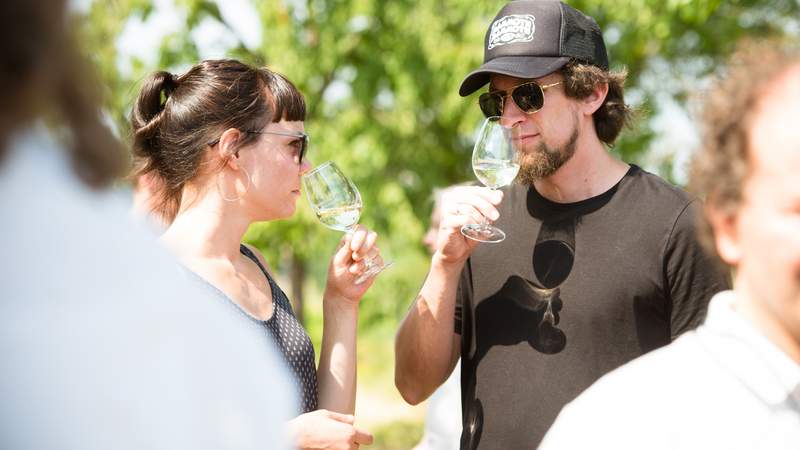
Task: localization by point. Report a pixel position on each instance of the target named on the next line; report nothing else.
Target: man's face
(545, 139)
(767, 229)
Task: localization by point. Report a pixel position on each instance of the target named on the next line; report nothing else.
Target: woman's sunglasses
(302, 138)
(528, 96)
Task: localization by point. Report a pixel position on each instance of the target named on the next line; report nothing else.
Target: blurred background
(381, 80)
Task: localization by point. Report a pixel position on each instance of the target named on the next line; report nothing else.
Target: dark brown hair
(175, 118)
(45, 77)
(613, 114)
(719, 169)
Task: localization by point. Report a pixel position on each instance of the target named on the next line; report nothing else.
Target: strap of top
(249, 253)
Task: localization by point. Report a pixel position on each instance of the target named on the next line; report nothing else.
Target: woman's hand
(356, 250)
(322, 429)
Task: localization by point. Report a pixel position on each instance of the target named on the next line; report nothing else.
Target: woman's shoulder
(253, 251)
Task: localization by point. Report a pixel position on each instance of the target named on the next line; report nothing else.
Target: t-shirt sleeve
(463, 293)
(692, 275)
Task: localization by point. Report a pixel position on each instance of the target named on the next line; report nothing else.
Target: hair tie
(169, 86)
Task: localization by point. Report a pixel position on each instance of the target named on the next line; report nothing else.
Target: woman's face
(273, 163)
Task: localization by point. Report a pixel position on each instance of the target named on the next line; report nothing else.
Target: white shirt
(722, 386)
(443, 419)
(105, 341)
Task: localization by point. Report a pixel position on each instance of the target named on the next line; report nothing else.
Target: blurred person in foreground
(224, 146)
(105, 342)
(443, 419)
(600, 264)
(735, 381)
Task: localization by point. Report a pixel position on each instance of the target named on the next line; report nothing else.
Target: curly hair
(613, 114)
(721, 166)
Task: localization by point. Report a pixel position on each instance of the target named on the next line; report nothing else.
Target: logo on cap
(512, 29)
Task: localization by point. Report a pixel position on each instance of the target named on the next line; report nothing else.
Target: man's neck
(590, 172)
(755, 311)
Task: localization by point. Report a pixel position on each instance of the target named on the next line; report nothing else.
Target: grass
(398, 435)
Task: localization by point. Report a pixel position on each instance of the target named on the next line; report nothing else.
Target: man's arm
(427, 347)
(692, 275)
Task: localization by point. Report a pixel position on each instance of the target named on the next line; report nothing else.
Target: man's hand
(460, 206)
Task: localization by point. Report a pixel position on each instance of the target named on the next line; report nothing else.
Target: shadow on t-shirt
(522, 309)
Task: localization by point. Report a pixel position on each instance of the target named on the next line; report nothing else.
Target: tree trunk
(297, 276)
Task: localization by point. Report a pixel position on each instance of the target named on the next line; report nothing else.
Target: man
(735, 381)
(600, 264)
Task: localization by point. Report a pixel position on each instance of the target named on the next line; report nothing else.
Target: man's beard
(544, 161)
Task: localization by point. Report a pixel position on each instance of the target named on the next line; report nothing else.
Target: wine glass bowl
(495, 163)
(333, 197)
(337, 203)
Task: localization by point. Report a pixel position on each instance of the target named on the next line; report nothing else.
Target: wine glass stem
(484, 219)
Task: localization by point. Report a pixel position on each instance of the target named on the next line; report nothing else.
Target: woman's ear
(228, 147)
(595, 100)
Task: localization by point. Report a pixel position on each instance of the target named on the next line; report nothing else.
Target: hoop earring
(231, 200)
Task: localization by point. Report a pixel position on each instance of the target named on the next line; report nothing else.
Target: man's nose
(512, 115)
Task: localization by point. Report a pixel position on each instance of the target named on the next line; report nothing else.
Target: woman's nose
(305, 166)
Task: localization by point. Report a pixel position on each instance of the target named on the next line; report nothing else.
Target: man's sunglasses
(528, 96)
(299, 135)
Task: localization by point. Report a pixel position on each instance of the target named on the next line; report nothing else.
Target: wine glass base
(483, 233)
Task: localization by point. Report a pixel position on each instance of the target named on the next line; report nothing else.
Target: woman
(226, 143)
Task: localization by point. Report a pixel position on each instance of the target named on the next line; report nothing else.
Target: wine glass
(495, 163)
(337, 204)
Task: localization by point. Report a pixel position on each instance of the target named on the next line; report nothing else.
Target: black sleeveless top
(289, 336)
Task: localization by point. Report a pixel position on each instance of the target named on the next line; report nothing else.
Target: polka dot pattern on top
(292, 340)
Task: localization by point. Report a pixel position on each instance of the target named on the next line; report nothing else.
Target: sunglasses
(303, 139)
(529, 97)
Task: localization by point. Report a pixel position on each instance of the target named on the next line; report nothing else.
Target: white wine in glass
(495, 163)
(342, 218)
(337, 203)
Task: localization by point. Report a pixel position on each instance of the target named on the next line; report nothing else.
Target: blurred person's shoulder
(710, 388)
(630, 406)
(102, 329)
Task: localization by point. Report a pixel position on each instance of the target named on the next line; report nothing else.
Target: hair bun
(148, 111)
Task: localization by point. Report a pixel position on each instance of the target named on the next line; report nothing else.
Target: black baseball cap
(532, 38)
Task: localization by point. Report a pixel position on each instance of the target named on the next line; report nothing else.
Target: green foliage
(397, 125)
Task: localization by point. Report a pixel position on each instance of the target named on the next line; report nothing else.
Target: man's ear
(228, 149)
(726, 235)
(595, 100)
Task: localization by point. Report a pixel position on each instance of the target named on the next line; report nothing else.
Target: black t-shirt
(575, 291)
